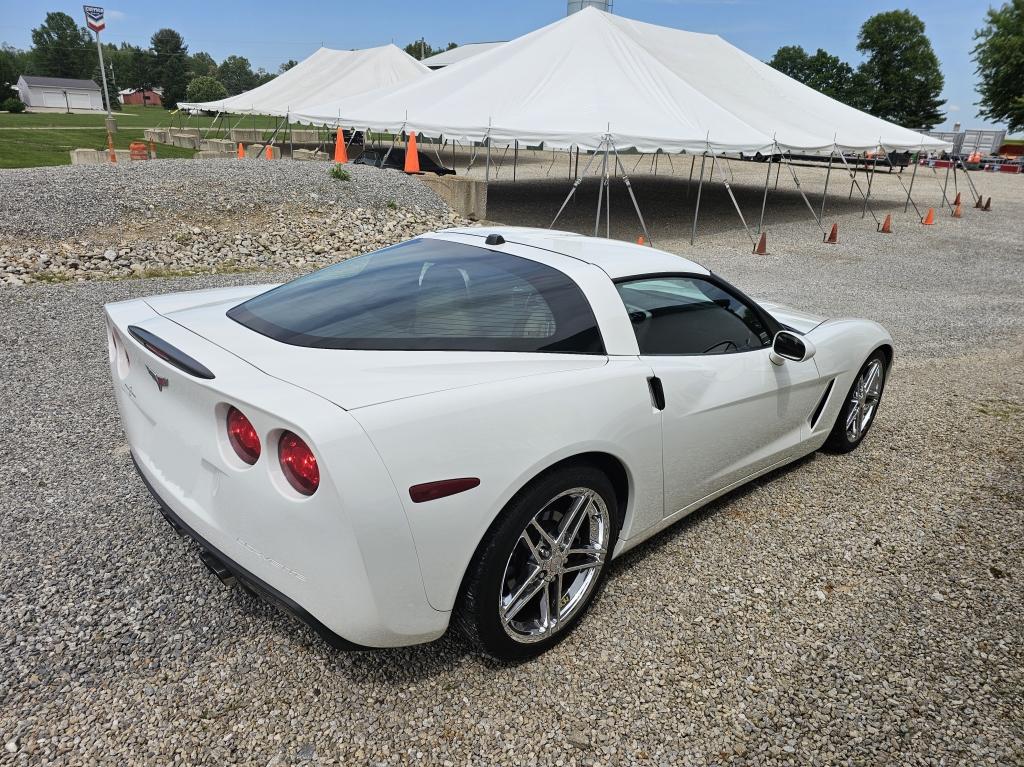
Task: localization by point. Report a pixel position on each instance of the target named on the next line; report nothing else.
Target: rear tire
(540, 565)
(860, 406)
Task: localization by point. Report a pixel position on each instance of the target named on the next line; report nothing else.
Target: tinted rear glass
(429, 294)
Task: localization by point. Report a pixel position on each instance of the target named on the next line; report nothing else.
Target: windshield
(429, 294)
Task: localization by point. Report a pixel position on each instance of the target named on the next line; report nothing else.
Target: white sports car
(470, 424)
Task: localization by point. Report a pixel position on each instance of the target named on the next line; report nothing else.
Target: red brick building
(140, 97)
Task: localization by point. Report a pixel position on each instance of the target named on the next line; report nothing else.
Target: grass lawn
(32, 140)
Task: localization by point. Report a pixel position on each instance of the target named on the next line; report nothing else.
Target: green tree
(901, 76)
(287, 65)
(11, 68)
(999, 54)
(61, 48)
(205, 88)
(824, 72)
(170, 65)
(263, 76)
(421, 49)
(235, 72)
(203, 63)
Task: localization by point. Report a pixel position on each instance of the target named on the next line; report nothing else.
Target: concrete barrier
(185, 140)
(217, 145)
(304, 137)
(246, 135)
(157, 135)
(99, 156)
(309, 154)
(215, 154)
(466, 196)
(255, 151)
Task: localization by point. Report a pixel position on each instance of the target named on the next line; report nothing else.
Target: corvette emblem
(160, 381)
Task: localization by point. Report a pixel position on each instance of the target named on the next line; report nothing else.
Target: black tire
(477, 612)
(839, 440)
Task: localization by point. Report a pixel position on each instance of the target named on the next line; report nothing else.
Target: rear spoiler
(172, 355)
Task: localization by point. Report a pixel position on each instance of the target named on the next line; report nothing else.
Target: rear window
(428, 294)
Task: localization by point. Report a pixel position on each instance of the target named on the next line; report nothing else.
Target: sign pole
(94, 20)
(103, 75)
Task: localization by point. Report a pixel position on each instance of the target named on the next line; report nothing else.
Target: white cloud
(116, 15)
(953, 108)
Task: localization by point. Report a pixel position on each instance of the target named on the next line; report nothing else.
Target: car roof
(616, 258)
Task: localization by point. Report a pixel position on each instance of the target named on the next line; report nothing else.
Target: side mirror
(790, 346)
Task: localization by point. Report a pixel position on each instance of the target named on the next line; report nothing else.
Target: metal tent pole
(970, 181)
(871, 178)
(824, 194)
(917, 162)
(700, 189)
(689, 181)
(764, 198)
(600, 189)
(945, 200)
(515, 160)
(632, 196)
(728, 188)
(899, 178)
(855, 183)
(800, 189)
(572, 190)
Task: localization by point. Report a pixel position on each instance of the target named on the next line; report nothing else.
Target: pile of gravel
(65, 201)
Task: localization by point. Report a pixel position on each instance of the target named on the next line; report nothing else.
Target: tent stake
(700, 188)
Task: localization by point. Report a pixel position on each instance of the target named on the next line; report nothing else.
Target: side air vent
(172, 355)
(821, 404)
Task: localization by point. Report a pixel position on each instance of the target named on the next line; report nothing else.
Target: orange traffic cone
(412, 157)
(640, 240)
(761, 249)
(268, 152)
(886, 227)
(340, 152)
(929, 218)
(958, 211)
(833, 236)
(988, 205)
(957, 200)
(241, 151)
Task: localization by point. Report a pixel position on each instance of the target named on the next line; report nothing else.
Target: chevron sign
(94, 18)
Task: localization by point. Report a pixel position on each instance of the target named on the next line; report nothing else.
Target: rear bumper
(227, 569)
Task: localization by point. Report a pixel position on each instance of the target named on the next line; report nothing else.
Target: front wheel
(860, 407)
(540, 565)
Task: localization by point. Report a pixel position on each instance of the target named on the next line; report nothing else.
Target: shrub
(392, 205)
(339, 172)
(14, 106)
(205, 88)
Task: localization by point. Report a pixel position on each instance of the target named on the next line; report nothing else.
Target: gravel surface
(861, 609)
(64, 201)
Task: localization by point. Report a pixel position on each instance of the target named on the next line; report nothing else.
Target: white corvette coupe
(470, 424)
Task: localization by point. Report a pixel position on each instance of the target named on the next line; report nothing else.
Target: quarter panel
(506, 434)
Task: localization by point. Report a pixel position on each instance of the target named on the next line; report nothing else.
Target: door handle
(657, 392)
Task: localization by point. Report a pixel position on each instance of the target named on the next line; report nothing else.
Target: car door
(729, 411)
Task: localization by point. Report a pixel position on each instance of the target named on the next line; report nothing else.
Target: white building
(60, 93)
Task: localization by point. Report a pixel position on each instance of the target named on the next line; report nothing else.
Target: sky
(260, 31)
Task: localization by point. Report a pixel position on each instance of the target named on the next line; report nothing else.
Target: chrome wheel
(867, 391)
(554, 565)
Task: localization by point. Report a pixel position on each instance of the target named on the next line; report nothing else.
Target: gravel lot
(862, 609)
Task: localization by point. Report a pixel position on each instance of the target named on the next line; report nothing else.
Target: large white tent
(594, 79)
(326, 76)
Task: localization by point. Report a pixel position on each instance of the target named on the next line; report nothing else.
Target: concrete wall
(99, 156)
(466, 196)
(246, 135)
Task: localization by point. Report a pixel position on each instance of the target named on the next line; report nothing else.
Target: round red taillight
(298, 463)
(243, 437)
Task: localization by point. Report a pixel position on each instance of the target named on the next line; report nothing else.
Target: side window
(690, 315)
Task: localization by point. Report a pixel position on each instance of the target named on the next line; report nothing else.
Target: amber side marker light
(431, 491)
